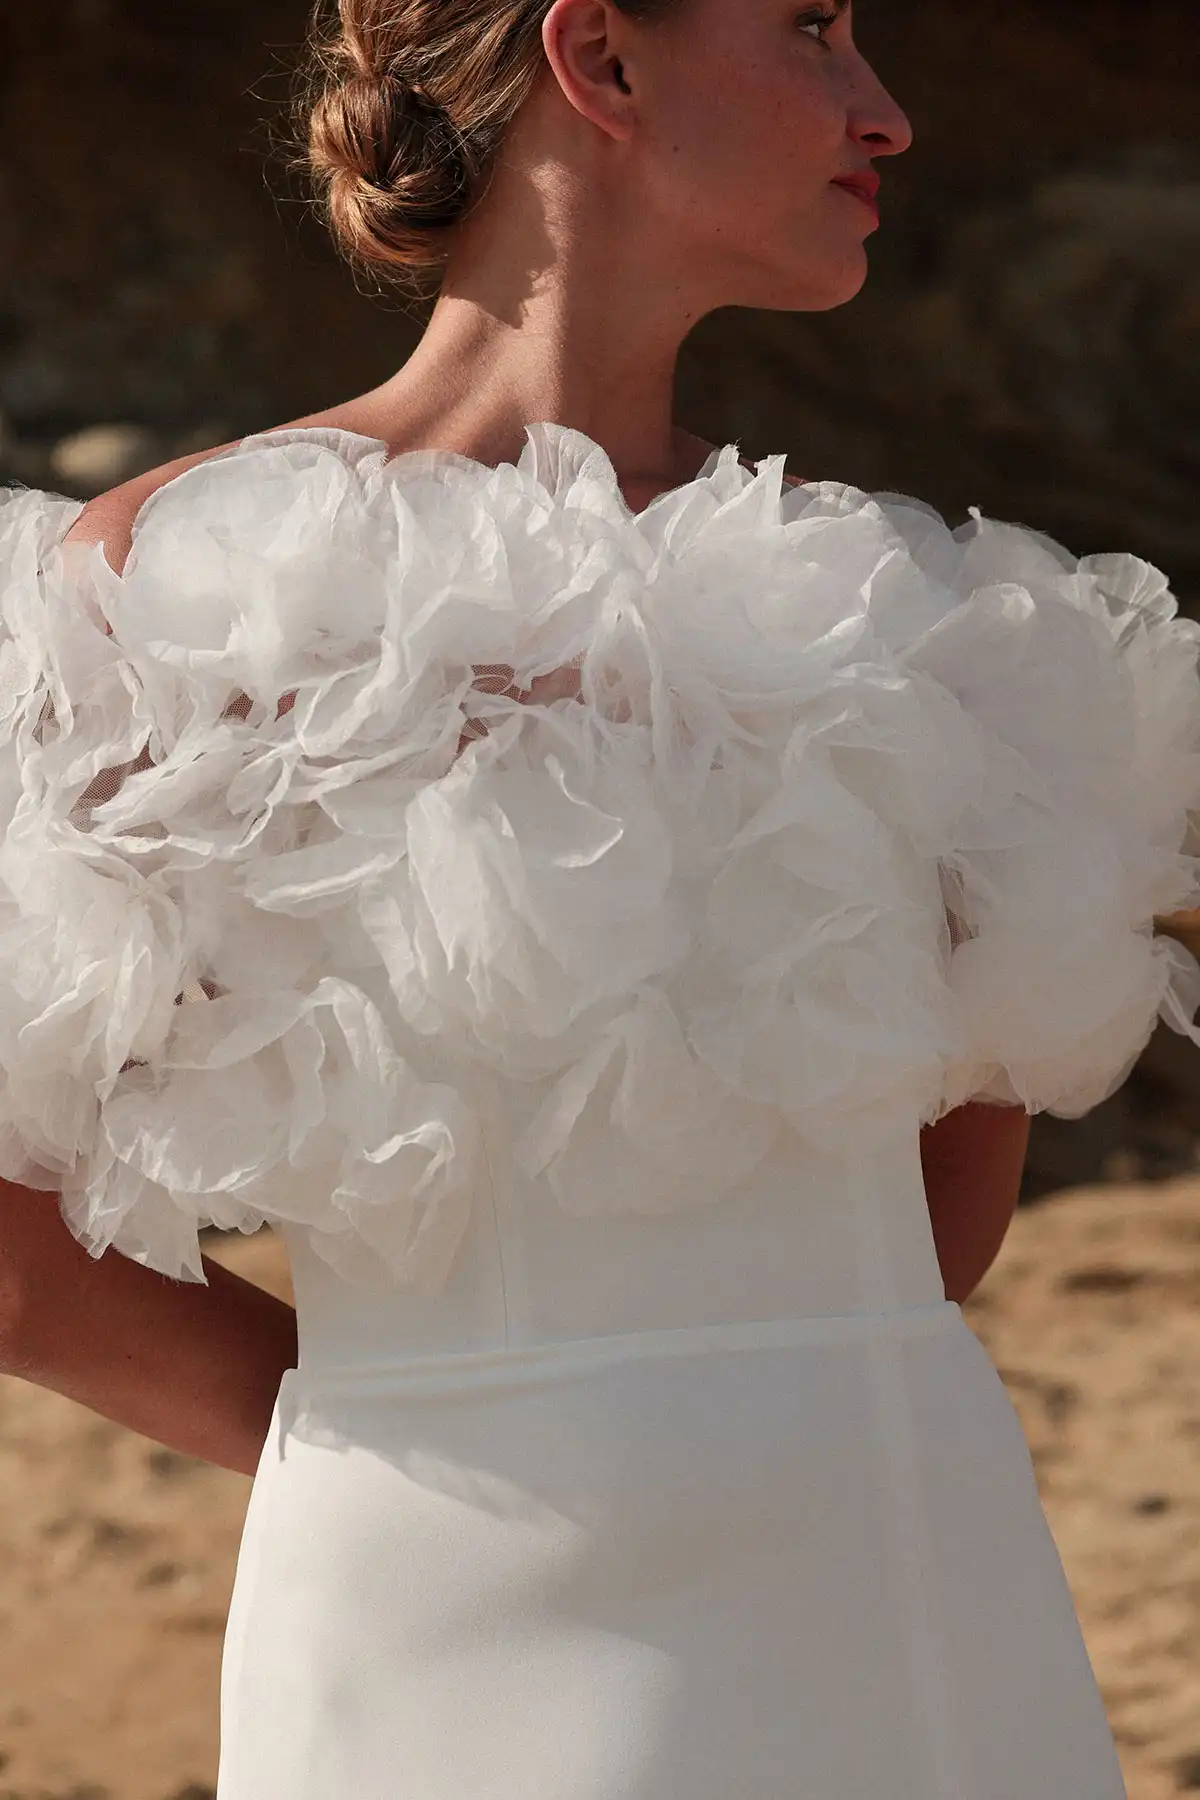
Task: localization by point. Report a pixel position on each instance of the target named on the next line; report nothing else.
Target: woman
(615, 913)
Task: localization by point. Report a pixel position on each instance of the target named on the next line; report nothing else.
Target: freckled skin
(747, 117)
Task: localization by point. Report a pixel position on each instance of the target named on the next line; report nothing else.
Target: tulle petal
(366, 781)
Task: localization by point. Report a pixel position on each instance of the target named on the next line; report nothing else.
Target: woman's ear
(585, 45)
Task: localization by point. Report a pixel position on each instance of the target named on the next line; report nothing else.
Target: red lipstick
(864, 186)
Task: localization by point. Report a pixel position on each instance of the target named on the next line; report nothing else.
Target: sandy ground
(117, 1556)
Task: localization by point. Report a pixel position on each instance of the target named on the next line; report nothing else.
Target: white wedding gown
(577, 1035)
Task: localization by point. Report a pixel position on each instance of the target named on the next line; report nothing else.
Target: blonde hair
(404, 104)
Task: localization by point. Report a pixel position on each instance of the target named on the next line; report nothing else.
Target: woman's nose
(877, 121)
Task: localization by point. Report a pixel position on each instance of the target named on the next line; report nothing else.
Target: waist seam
(569, 1356)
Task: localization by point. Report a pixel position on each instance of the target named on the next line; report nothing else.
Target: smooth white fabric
(560, 921)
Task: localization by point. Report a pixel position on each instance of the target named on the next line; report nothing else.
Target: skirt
(802, 1559)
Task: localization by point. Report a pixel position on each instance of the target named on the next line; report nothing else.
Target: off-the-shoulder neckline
(586, 449)
(582, 452)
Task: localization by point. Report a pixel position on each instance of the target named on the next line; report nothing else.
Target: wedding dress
(559, 922)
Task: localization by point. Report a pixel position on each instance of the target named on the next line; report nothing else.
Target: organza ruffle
(765, 807)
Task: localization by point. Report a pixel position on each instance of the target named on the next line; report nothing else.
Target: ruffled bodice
(375, 792)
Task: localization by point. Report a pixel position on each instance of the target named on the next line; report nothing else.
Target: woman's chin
(818, 290)
(851, 285)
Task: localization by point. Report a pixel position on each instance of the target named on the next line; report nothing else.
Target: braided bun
(406, 104)
(394, 174)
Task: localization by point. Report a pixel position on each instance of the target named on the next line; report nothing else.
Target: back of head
(406, 103)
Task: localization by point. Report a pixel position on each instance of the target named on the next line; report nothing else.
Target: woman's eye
(818, 24)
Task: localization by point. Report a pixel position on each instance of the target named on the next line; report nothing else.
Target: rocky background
(1029, 342)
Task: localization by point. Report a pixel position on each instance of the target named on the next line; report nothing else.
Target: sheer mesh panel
(955, 906)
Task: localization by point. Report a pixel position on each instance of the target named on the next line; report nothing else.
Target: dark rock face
(1029, 340)
(1051, 358)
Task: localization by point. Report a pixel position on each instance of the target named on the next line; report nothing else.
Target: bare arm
(973, 1160)
(196, 1368)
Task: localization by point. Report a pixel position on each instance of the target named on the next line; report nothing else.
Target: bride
(614, 910)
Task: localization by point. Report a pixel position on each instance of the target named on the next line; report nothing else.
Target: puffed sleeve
(187, 1034)
(1082, 679)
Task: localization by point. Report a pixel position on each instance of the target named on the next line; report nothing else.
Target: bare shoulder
(109, 518)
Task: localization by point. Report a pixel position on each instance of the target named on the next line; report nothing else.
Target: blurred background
(1029, 343)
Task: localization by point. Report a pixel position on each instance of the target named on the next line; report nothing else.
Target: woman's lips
(864, 187)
